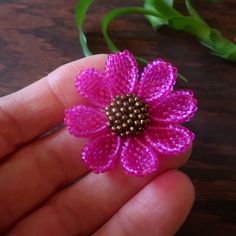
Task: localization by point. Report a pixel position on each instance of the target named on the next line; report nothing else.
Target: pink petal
(100, 154)
(137, 158)
(84, 121)
(171, 140)
(121, 72)
(177, 107)
(91, 85)
(157, 80)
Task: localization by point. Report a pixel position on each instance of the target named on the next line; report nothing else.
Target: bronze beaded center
(127, 115)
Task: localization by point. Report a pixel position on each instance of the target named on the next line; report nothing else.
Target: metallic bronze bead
(143, 109)
(127, 132)
(131, 128)
(127, 115)
(142, 122)
(129, 121)
(117, 122)
(131, 100)
(111, 117)
(141, 116)
(124, 125)
(118, 114)
(126, 104)
(137, 111)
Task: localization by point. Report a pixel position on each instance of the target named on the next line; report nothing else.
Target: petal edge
(100, 154)
(138, 159)
(91, 85)
(170, 140)
(84, 121)
(121, 72)
(157, 80)
(178, 107)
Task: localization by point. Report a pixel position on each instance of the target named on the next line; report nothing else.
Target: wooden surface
(37, 36)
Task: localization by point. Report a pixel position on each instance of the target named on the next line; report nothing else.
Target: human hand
(45, 189)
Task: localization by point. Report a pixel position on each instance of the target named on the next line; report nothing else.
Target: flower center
(127, 115)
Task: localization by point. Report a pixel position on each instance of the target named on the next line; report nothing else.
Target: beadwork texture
(138, 151)
(127, 115)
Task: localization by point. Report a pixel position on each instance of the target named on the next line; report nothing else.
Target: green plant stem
(80, 13)
(192, 24)
(108, 18)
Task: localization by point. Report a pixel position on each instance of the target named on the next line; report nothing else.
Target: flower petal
(137, 158)
(91, 85)
(157, 80)
(177, 107)
(84, 121)
(171, 140)
(100, 154)
(121, 72)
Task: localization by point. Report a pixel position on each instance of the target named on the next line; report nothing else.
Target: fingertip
(178, 181)
(98, 62)
(168, 163)
(62, 80)
(178, 194)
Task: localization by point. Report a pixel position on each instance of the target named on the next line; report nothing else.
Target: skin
(46, 189)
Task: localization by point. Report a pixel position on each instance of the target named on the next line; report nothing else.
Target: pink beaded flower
(131, 119)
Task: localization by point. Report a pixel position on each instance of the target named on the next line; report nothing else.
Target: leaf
(108, 18)
(80, 12)
(192, 26)
(120, 12)
(209, 37)
(183, 78)
(156, 22)
(192, 11)
(222, 46)
(164, 9)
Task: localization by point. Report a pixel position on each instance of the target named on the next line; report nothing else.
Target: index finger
(32, 111)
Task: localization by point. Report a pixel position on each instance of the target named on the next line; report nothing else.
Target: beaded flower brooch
(132, 120)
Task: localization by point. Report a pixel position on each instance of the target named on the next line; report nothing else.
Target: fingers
(159, 209)
(37, 108)
(36, 172)
(86, 205)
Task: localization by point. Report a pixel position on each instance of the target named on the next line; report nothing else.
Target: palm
(46, 190)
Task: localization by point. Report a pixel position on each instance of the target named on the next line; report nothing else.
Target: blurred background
(39, 35)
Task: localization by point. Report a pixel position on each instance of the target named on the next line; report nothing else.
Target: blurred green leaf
(192, 11)
(108, 18)
(163, 7)
(120, 12)
(193, 24)
(80, 13)
(160, 13)
(190, 25)
(156, 22)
